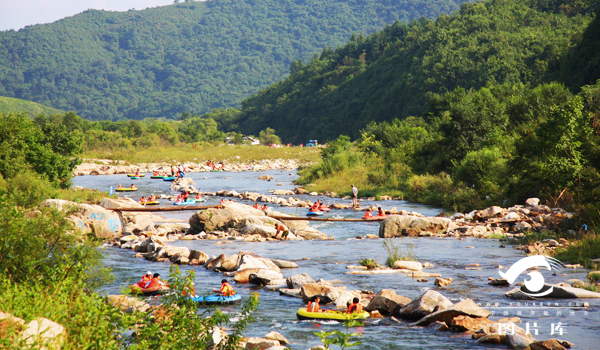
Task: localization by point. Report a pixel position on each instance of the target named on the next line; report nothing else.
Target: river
(328, 260)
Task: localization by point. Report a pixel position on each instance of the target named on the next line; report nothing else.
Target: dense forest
(192, 56)
(393, 72)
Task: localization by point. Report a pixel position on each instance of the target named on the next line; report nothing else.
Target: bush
(394, 253)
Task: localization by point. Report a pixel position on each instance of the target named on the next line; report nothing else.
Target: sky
(16, 14)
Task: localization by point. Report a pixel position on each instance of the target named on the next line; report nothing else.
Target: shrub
(394, 253)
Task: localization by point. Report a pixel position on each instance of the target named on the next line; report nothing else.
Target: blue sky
(16, 14)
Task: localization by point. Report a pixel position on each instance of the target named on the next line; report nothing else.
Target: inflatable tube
(188, 202)
(126, 189)
(139, 175)
(151, 203)
(156, 177)
(217, 299)
(314, 213)
(135, 289)
(200, 200)
(135, 178)
(169, 178)
(334, 315)
(324, 208)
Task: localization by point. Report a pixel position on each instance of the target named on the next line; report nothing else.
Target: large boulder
(297, 281)
(423, 305)
(183, 184)
(249, 260)
(243, 276)
(45, 332)
(95, 219)
(465, 307)
(285, 264)
(327, 293)
(262, 277)
(198, 255)
(156, 240)
(386, 301)
(229, 215)
(399, 225)
(261, 343)
(128, 304)
(519, 341)
(465, 323)
(274, 335)
(109, 203)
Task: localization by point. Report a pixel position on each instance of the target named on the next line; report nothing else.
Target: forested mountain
(391, 74)
(193, 56)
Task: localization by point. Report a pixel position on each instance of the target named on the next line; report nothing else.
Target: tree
(268, 136)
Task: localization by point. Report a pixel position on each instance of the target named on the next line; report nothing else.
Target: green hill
(194, 56)
(391, 74)
(8, 105)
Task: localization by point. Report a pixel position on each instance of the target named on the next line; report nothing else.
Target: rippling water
(328, 260)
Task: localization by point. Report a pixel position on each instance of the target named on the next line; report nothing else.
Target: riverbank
(200, 153)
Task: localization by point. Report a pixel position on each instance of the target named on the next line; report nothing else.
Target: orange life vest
(154, 282)
(227, 290)
(367, 215)
(312, 307)
(141, 283)
(355, 308)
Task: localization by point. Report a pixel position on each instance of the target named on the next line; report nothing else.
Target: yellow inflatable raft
(302, 314)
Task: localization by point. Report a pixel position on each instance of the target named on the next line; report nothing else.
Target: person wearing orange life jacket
(145, 279)
(120, 186)
(367, 215)
(152, 198)
(198, 196)
(381, 213)
(264, 207)
(132, 186)
(155, 173)
(256, 206)
(137, 174)
(155, 282)
(355, 306)
(226, 289)
(143, 200)
(313, 304)
(315, 206)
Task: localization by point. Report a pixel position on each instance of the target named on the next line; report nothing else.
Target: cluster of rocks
(243, 222)
(108, 167)
(40, 333)
(479, 223)
(545, 247)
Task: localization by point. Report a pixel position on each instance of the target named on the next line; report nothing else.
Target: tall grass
(582, 251)
(395, 254)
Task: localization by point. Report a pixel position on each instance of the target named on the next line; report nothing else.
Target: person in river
(143, 200)
(315, 206)
(354, 195)
(285, 231)
(355, 306)
(380, 213)
(120, 186)
(198, 197)
(367, 215)
(145, 279)
(155, 282)
(152, 198)
(226, 289)
(256, 206)
(137, 173)
(313, 304)
(264, 207)
(132, 186)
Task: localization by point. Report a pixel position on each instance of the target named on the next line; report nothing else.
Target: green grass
(495, 236)
(582, 251)
(369, 263)
(9, 104)
(593, 277)
(395, 254)
(198, 153)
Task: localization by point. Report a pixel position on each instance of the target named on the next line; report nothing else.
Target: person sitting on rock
(380, 213)
(226, 289)
(285, 231)
(145, 279)
(155, 282)
(367, 215)
(313, 304)
(355, 306)
(143, 200)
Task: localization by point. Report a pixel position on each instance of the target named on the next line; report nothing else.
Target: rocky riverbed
(453, 263)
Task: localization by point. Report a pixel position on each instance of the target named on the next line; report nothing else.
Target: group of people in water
(150, 199)
(380, 214)
(353, 307)
(319, 206)
(153, 281)
(132, 186)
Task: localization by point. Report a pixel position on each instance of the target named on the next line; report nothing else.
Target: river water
(328, 260)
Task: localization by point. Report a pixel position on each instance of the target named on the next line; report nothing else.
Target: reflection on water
(328, 260)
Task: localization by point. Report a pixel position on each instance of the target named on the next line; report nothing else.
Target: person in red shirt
(381, 213)
(367, 215)
(155, 282)
(145, 279)
(355, 306)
